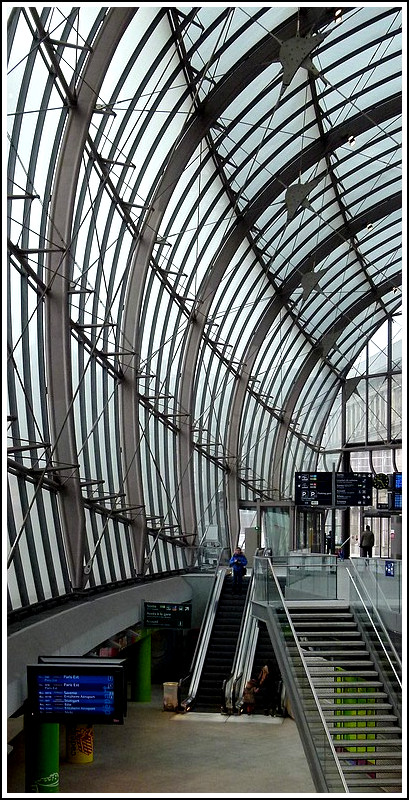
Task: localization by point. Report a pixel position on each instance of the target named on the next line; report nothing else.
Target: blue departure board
(397, 481)
(62, 693)
(396, 497)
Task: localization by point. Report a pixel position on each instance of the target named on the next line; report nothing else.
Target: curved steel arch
(58, 327)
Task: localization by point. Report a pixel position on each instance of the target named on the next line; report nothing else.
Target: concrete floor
(174, 755)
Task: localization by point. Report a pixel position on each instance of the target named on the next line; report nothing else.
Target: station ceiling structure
(204, 223)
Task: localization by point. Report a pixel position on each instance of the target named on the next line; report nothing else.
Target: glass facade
(204, 237)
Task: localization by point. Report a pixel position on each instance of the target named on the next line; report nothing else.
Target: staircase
(364, 728)
(219, 657)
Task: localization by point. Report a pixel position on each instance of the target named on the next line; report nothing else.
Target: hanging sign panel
(313, 488)
(168, 615)
(353, 489)
(340, 489)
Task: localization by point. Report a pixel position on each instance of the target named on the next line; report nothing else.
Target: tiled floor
(167, 754)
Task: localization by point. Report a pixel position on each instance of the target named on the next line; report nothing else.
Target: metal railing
(269, 605)
(378, 641)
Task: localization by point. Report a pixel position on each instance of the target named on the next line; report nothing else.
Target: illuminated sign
(353, 489)
(81, 692)
(313, 488)
(340, 489)
(168, 615)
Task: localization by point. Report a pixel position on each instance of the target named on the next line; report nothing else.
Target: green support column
(42, 761)
(142, 684)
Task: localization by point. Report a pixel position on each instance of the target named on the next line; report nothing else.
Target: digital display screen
(353, 489)
(67, 693)
(313, 488)
(168, 615)
(397, 480)
(82, 661)
(396, 503)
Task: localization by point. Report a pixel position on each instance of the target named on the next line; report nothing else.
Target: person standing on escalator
(238, 563)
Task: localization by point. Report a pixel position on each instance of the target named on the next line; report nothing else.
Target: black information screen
(168, 615)
(313, 488)
(60, 693)
(353, 489)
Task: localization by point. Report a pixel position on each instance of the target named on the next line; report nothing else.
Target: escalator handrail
(243, 657)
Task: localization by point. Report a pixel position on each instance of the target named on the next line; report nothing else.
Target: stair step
(321, 624)
(364, 695)
(317, 671)
(346, 717)
(376, 743)
(353, 782)
(321, 615)
(389, 754)
(341, 684)
(328, 669)
(371, 768)
(339, 663)
(326, 653)
(331, 633)
(321, 643)
(375, 729)
(349, 706)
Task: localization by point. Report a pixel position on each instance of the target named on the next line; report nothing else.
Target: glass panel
(276, 528)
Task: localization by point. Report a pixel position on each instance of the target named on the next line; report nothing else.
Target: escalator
(220, 651)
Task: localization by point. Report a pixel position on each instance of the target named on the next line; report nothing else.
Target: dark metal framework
(204, 234)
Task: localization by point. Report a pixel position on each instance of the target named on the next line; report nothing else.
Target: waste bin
(80, 743)
(170, 696)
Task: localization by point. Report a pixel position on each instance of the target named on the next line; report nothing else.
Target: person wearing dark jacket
(270, 685)
(238, 562)
(367, 542)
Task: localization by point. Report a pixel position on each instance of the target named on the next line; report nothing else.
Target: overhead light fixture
(351, 140)
(369, 226)
(338, 15)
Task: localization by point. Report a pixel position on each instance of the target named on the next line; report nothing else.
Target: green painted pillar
(142, 684)
(42, 761)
